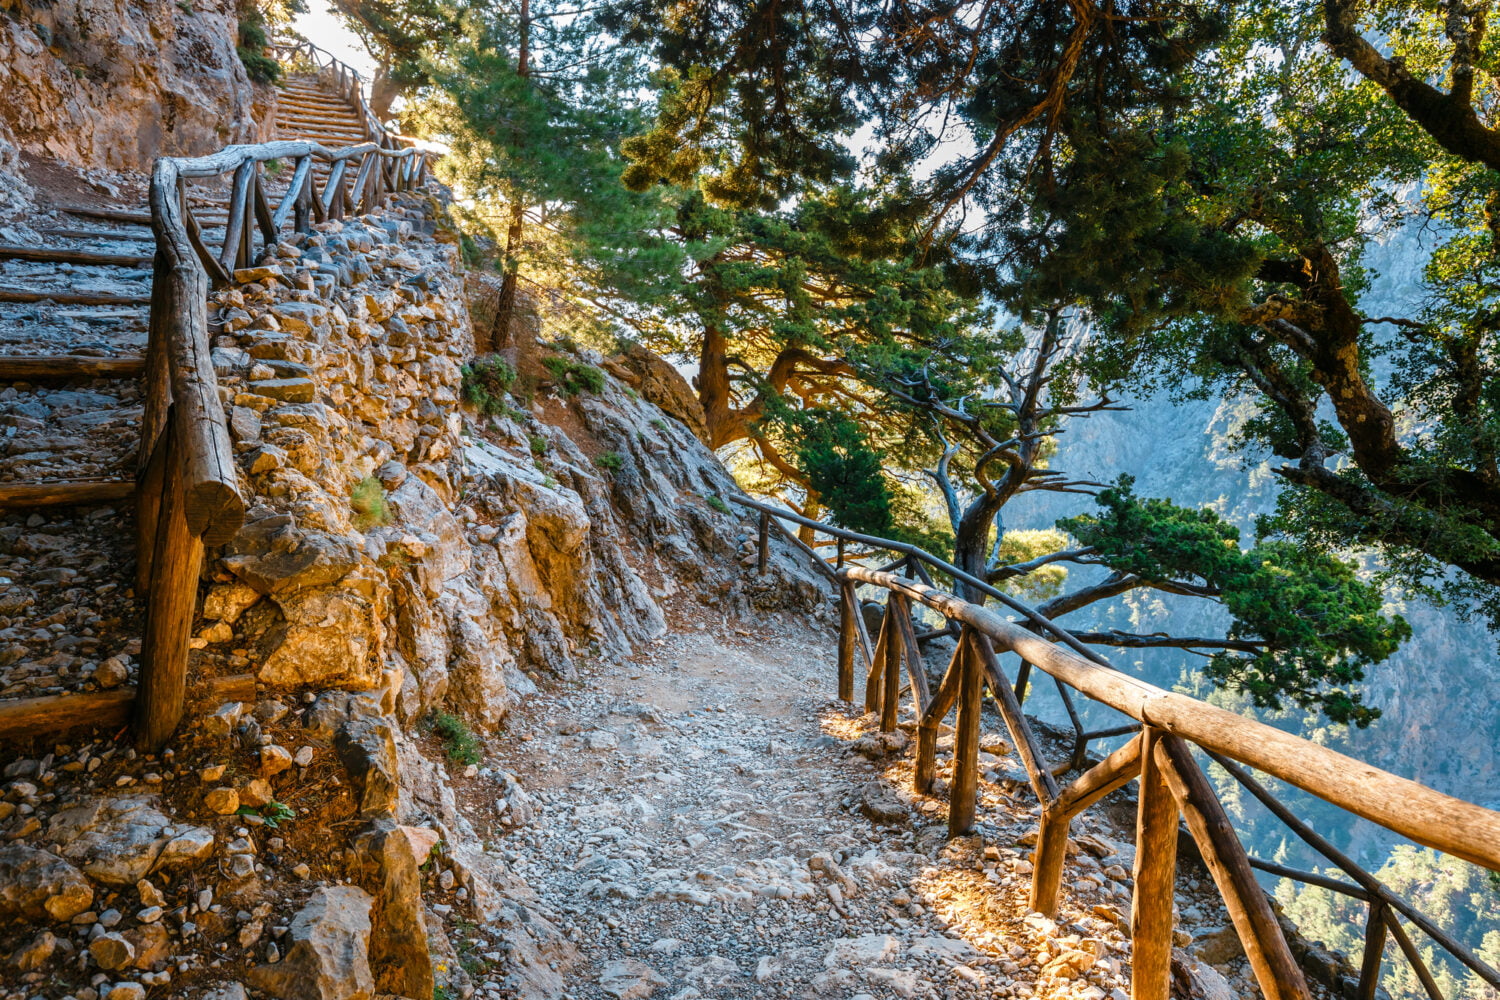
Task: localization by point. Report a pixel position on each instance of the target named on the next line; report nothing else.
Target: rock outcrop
(114, 83)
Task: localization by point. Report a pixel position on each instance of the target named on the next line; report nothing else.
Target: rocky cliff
(112, 84)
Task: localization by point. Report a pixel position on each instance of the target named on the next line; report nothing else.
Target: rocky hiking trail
(707, 823)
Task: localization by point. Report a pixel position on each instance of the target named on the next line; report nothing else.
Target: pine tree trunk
(501, 331)
(502, 335)
(713, 387)
(383, 93)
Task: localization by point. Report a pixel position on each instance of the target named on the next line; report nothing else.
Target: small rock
(222, 801)
(274, 760)
(111, 673)
(256, 792)
(33, 955)
(111, 951)
(126, 991)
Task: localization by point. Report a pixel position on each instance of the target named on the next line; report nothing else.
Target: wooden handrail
(1166, 724)
(188, 494)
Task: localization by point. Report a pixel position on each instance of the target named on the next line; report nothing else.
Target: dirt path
(704, 830)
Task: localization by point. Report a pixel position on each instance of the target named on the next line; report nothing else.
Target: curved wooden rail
(1159, 756)
(188, 493)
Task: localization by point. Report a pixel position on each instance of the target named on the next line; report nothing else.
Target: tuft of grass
(538, 444)
(574, 377)
(485, 383)
(610, 461)
(459, 741)
(659, 424)
(371, 510)
(717, 503)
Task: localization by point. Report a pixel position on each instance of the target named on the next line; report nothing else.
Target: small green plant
(254, 40)
(273, 813)
(186, 7)
(574, 377)
(610, 461)
(369, 504)
(632, 393)
(659, 424)
(485, 383)
(273, 168)
(538, 444)
(717, 503)
(459, 741)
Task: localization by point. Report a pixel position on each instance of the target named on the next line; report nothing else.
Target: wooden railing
(1167, 727)
(188, 486)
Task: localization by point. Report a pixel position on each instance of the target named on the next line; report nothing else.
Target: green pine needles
(1309, 625)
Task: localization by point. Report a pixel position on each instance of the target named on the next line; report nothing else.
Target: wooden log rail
(1167, 728)
(187, 492)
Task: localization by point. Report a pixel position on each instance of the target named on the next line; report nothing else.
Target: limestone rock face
(658, 382)
(39, 886)
(158, 78)
(327, 953)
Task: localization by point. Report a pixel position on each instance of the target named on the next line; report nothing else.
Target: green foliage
(1022, 546)
(368, 502)
(459, 741)
(538, 444)
(659, 424)
(717, 503)
(485, 384)
(273, 813)
(574, 376)
(255, 35)
(846, 473)
(1320, 626)
(610, 461)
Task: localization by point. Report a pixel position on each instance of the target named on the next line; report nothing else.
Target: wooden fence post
(177, 558)
(1151, 921)
(875, 677)
(763, 558)
(1276, 971)
(848, 639)
(963, 796)
(895, 652)
(942, 702)
(1369, 969)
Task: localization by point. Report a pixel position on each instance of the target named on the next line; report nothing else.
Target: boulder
(400, 955)
(628, 979)
(658, 382)
(867, 949)
(274, 556)
(331, 637)
(327, 950)
(117, 841)
(39, 886)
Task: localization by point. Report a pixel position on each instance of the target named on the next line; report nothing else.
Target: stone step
(54, 366)
(66, 492)
(103, 212)
(73, 298)
(69, 255)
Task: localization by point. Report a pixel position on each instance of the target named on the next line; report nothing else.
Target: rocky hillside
(413, 565)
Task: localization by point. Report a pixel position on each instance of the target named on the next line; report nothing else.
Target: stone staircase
(74, 326)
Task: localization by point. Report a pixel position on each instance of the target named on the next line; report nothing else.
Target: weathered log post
(848, 638)
(1278, 973)
(895, 652)
(763, 557)
(1151, 921)
(963, 795)
(925, 773)
(176, 559)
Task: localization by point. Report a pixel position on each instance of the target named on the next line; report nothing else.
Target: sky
(320, 27)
